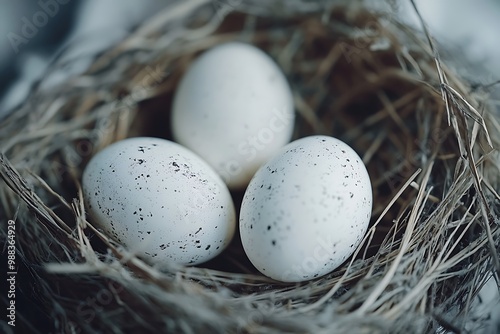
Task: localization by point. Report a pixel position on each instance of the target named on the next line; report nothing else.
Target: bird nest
(428, 137)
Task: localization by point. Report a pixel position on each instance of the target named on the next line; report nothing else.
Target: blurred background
(36, 33)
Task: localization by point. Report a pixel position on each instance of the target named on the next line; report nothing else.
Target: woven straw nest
(427, 137)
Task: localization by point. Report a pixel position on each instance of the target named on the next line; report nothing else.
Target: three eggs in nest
(307, 203)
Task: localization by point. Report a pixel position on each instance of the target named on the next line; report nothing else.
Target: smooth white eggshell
(160, 200)
(234, 108)
(306, 210)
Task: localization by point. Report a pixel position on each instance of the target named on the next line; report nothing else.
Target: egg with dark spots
(306, 210)
(160, 200)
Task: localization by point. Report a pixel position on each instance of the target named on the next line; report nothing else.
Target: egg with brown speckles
(160, 200)
(306, 210)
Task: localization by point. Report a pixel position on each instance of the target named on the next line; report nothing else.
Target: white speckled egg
(234, 108)
(306, 210)
(160, 200)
